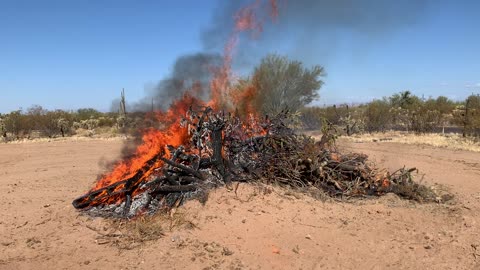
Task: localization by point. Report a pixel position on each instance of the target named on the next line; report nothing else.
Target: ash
(145, 204)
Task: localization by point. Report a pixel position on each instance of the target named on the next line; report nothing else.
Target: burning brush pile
(214, 149)
(200, 147)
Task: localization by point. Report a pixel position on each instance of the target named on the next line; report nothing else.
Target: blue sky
(437, 56)
(80, 53)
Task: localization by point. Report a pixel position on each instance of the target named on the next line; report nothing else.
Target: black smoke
(311, 30)
(188, 72)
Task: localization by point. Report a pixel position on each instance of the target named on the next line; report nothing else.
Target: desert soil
(257, 228)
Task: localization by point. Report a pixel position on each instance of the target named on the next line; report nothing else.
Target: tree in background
(401, 110)
(445, 108)
(16, 123)
(475, 114)
(3, 130)
(87, 113)
(281, 84)
(403, 100)
(35, 116)
(47, 122)
(424, 117)
(378, 116)
(467, 115)
(403, 106)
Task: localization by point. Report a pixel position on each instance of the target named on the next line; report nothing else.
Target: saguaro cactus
(122, 113)
(123, 110)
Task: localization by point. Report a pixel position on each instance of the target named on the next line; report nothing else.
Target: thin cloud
(472, 85)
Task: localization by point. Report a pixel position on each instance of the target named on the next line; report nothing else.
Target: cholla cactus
(63, 125)
(352, 124)
(293, 120)
(329, 135)
(121, 121)
(351, 120)
(90, 124)
(76, 125)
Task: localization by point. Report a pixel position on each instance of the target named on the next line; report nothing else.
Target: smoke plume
(305, 30)
(189, 72)
(311, 30)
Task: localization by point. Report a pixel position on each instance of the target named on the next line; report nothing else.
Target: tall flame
(155, 140)
(245, 20)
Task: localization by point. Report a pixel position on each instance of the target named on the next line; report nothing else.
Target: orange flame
(156, 140)
(274, 10)
(246, 19)
(244, 96)
(385, 183)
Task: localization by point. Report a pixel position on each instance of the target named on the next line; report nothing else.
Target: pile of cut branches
(224, 149)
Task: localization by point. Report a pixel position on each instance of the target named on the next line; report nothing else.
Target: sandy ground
(258, 228)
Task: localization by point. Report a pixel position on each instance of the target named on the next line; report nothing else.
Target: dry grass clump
(450, 141)
(74, 138)
(129, 234)
(99, 132)
(415, 192)
(421, 193)
(80, 134)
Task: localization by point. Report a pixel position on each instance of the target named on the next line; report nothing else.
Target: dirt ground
(259, 228)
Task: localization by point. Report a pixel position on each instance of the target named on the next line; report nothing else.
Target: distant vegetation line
(401, 111)
(277, 84)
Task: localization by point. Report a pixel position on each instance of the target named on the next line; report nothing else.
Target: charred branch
(183, 168)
